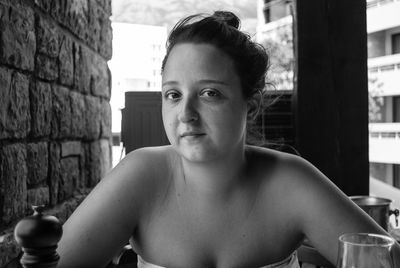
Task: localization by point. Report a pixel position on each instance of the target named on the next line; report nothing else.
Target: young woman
(208, 199)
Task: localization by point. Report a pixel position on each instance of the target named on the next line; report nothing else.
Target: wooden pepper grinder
(38, 236)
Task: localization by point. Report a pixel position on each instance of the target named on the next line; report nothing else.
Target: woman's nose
(188, 112)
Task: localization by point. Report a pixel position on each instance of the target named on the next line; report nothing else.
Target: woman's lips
(192, 134)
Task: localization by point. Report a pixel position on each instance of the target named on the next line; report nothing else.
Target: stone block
(98, 161)
(77, 115)
(44, 4)
(38, 196)
(92, 117)
(66, 62)
(61, 113)
(106, 6)
(77, 18)
(41, 107)
(73, 14)
(77, 150)
(9, 249)
(82, 71)
(58, 10)
(106, 157)
(85, 172)
(37, 162)
(94, 164)
(54, 171)
(71, 148)
(47, 37)
(94, 27)
(105, 46)
(17, 37)
(105, 119)
(14, 104)
(13, 176)
(101, 76)
(46, 67)
(70, 177)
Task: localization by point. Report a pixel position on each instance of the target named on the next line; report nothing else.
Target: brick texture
(55, 116)
(13, 176)
(47, 37)
(61, 113)
(77, 115)
(14, 104)
(66, 60)
(18, 39)
(37, 163)
(46, 67)
(93, 117)
(41, 108)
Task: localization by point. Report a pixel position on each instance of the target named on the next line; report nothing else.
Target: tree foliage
(375, 100)
(280, 49)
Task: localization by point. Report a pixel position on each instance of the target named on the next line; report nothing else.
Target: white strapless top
(289, 262)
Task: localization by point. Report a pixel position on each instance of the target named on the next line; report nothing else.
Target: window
(396, 43)
(396, 108)
(267, 14)
(396, 175)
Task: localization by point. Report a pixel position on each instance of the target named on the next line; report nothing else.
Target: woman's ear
(254, 105)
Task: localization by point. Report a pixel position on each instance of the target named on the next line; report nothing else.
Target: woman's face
(203, 108)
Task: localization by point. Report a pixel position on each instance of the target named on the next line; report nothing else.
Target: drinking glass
(365, 250)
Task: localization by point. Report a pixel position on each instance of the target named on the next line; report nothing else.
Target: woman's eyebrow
(212, 81)
(170, 83)
(202, 81)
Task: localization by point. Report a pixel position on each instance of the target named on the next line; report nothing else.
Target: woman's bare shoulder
(293, 180)
(144, 166)
(144, 155)
(276, 164)
(110, 213)
(146, 159)
(285, 167)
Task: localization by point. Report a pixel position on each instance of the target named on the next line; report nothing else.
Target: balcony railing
(377, 3)
(386, 70)
(392, 61)
(382, 15)
(384, 143)
(384, 129)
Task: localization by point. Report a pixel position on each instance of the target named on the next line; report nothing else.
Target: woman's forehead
(198, 59)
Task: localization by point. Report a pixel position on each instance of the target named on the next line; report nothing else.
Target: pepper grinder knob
(38, 236)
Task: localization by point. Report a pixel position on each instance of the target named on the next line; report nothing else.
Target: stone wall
(55, 116)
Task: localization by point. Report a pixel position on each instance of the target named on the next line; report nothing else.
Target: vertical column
(331, 92)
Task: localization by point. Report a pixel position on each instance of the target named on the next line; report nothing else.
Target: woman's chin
(197, 154)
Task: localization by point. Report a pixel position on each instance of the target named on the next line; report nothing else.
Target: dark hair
(222, 30)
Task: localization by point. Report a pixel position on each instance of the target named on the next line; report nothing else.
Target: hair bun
(228, 18)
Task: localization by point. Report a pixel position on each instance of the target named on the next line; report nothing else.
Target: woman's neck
(216, 178)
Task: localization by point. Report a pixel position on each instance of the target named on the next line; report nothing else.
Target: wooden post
(331, 90)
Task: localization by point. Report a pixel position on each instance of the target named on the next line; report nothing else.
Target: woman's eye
(212, 93)
(172, 95)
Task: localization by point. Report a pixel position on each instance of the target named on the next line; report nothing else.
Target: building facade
(135, 66)
(383, 27)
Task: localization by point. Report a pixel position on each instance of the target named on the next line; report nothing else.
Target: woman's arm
(325, 212)
(105, 220)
